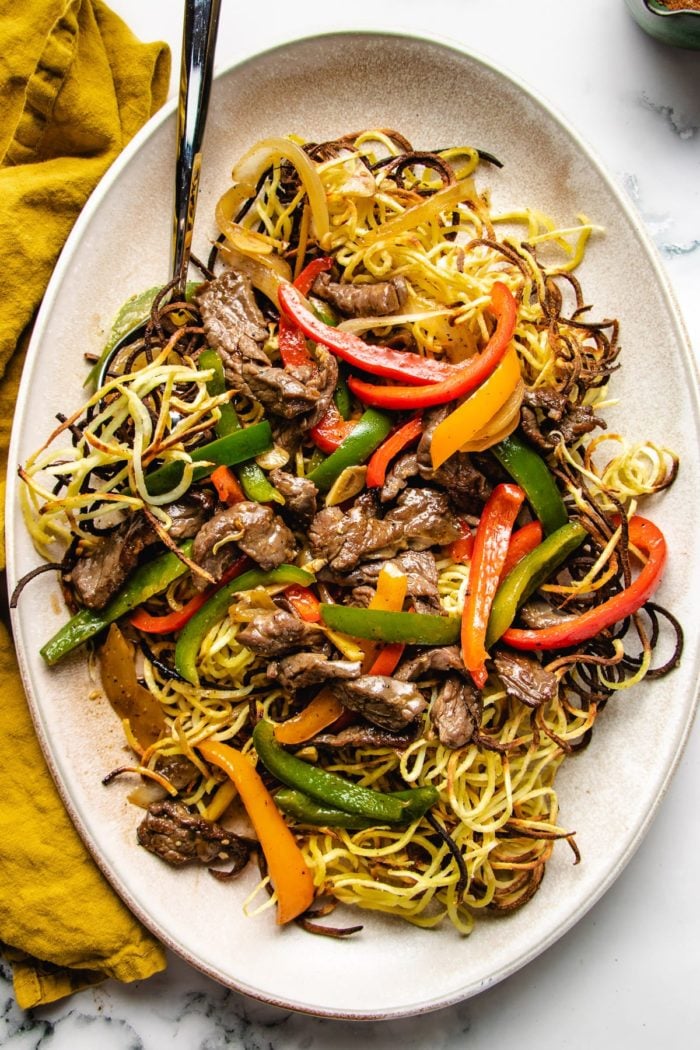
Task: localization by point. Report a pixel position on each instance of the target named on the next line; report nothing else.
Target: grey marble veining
(628, 973)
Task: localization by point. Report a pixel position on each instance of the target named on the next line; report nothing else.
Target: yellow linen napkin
(75, 85)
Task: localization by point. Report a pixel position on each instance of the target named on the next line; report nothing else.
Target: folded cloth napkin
(75, 85)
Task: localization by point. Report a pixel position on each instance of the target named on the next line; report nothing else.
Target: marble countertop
(628, 972)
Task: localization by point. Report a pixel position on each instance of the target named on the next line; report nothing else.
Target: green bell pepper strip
(307, 811)
(195, 631)
(341, 397)
(324, 787)
(366, 436)
(529, 574)
(253, 479)
(531, 472)
(224, 451)
(379, 626)
(149, 579)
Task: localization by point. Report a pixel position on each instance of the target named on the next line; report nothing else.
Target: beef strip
(190, 513)
(427, 518)
(300, 497)
(421, 575)
(548, 414)
(172, 832)
(234, 324)
(303, 669)
(246, 526)
(429, 662)
(397, 477)
(420, 519)
(100, 573)
(382, 700)
(296, 390)
(524, 678)
(467, 487)
(345, 538)
(364, 735)
(178, 769)
(275, 634)
(456, 712)
(363, 300)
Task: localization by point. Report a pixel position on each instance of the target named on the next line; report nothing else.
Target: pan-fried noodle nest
(382, 209)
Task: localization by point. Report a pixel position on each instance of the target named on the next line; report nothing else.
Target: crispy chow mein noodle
(348, 493)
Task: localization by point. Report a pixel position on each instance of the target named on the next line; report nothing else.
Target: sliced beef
(427, 518)
(421, 579)
(296, 390)
(456, 712)
(345, 538)
(397, 477)
(303, 669)
(421, 518)
(178, 769)
(364, 735)
(467, 487)
(548, 414)
(300, 494)
(189, 514)
(275, 634)
(524, 678)
(172, 832)
(382, 700)
(234, 324)
(429, 662)
(249, 527)
(363, 300)
(101, 572)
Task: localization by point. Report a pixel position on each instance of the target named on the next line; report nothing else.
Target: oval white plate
(436, 95)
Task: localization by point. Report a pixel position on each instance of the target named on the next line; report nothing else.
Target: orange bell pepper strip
(490, 550)
(292, 341)
(475, 412)
(289, 874)
(463, 379)
(319, 713)
(389, 449)
(226, 484)
(521, 543)
(645, 536)
(304, 601)
(388, 597)
(176, 620)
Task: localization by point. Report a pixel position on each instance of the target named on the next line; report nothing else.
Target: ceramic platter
(436, 95)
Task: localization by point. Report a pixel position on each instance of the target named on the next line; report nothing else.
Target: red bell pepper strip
(378, 360)
(463, 378)
(387, 659)
(380, 460)
(304, 601)
(175, 620)
(331, 430)
(490, 549)
(644, 535)
(292, 342)
(521, 543)
(226, 485)
(461, 550)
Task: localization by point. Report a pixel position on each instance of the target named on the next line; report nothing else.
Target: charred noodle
(413, 228)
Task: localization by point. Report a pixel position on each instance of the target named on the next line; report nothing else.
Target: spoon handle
(198, 45)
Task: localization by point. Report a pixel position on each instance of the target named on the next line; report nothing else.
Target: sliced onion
(259, 157)
(500, 425)
(441, 201)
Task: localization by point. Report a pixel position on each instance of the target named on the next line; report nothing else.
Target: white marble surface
(629, 972)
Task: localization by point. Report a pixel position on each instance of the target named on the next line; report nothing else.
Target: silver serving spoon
(200, 25)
